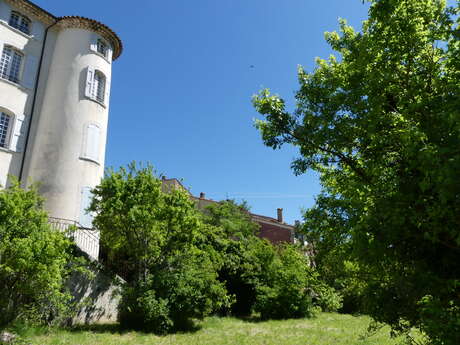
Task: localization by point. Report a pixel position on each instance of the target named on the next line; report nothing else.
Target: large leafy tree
(159, 238)
(381, 124)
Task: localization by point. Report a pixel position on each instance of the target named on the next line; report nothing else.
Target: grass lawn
(325, 329)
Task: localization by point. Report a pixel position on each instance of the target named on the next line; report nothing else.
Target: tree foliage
(33, 259)
(326, 228)
(236, 240)
(381, 125)
(171, 271)
(285, 287)
(274, 281)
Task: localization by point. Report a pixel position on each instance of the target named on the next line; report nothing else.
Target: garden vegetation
(379, 122)
(182, 265)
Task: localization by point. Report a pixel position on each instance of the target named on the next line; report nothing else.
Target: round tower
(66, 150)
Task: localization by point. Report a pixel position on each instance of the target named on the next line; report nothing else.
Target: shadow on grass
(256, 318)
(115, 328)
(251, 318)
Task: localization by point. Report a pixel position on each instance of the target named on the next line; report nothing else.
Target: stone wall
(98, 293)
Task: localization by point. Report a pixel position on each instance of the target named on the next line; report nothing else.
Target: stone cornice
(31, 9)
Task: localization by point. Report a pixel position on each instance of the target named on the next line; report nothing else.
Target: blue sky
(181, 91)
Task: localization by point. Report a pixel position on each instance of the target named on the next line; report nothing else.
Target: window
(20, 22)
(5, 122)
(91, 142)
(10, 64)
(102, 47)
(99, 87)
(86, 218)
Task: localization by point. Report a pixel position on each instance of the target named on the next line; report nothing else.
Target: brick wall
(275, 233)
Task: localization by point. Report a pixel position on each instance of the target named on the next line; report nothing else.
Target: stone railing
(86, 239)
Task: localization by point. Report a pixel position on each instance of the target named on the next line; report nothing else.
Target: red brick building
(273, 229)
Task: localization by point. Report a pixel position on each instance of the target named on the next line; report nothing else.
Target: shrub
(140, 308)
(170, 298)
(33, 259)
(287, 284)
(326, 297)
(440, 320)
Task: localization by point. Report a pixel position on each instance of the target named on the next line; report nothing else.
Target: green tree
(286, 284)
(237, 242)
(381, 125)
(327, 230)
(33, 259)
(276, 281)
(172, 273)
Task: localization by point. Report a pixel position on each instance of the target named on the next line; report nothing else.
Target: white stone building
(55, 77)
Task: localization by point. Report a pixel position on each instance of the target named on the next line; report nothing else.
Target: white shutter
(30, 71)
(18, 137)
(93, 134)
(93, 43)
(89, 82)
(1, 52)
(5, 11)
(109, 53)
(107, 91)
(38, 30)
(86, 218)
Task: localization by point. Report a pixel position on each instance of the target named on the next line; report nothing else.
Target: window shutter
(30, 71)
(18, 137)
(5, 11)
(38, 30)
(107, 91)
(89, 82)
(93, 43)
(93, 133)
(109, 53)
(86, 218)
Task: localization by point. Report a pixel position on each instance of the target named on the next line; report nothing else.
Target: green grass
(325, 329)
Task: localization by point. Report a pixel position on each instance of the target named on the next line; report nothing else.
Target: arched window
(5, 127)
(20, 22)
(10, 64)
(99, 86)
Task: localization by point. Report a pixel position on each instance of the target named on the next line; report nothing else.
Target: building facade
(55, 75)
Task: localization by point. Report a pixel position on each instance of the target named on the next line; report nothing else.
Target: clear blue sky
(181, 91)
